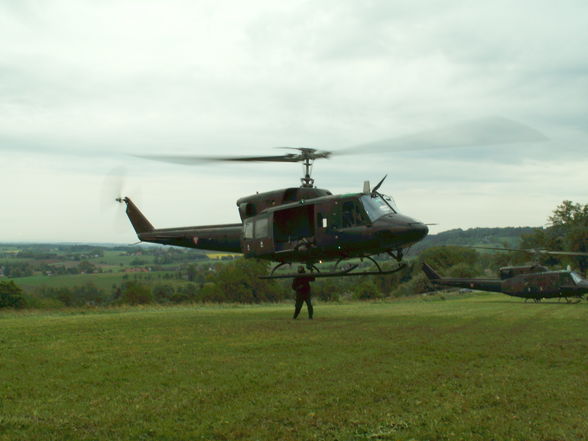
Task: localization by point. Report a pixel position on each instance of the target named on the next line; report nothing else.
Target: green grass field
(477, 368)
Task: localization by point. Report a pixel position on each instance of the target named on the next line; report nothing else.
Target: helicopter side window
(248, 229)
(261, 228)
(353, 214)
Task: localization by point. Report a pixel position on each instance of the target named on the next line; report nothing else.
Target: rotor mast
(307, 156)
(307, 181)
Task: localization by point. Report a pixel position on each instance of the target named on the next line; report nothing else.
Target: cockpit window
(576, 277)
(377, 206)
(390, 201)
(353, 214)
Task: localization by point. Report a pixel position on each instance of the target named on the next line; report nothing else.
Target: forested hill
(498, 237)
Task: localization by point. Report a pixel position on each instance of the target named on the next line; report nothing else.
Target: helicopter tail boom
(225, 238)
(430, 272)
(494, 285)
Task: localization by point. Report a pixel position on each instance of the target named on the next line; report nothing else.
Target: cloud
(85, 84)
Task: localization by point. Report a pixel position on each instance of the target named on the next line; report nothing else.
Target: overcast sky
(85, 85)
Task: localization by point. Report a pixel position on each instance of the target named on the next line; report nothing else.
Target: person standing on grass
(301, 285)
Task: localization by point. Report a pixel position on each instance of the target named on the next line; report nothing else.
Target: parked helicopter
(309, 225)
(530, 282)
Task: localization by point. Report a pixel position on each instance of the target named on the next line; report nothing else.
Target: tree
(86, 267)
(11, 295)
(238, 281)
(135, 293)
(447, 256)
(367, 289)
(568, 231)
(163, 293)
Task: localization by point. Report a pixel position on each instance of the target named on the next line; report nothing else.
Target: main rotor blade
(535, 251)
(378, 185)
(195, 160)
(479, 132)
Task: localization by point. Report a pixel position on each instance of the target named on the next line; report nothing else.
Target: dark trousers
(299, 302)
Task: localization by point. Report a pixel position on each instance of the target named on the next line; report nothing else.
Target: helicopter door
(325, 222)
(256, 236)
(292, 226)
(247, 245)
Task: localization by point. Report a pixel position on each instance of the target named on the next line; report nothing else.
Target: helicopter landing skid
(347, 272)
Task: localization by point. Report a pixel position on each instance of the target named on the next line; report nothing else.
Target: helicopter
(300, 225)
(530, 282)
(310, 225)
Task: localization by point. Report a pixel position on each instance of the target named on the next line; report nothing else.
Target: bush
(418, 284)
(164, 293)
(11, 295)
(367, 289)
(463, 270)
(238, 281)
(327, 290)
(135, 293)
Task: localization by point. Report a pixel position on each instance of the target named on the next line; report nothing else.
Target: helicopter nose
(399, 231)
(417, 231)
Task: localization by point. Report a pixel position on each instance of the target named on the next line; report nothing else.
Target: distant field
(117, 258)
(102, 281)
(221, 255)
(477, 368)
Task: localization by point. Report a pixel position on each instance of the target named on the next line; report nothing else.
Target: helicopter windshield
(378, 206)
(576, 277)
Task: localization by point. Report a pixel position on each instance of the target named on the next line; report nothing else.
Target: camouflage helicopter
(530, 282)
(309, 225)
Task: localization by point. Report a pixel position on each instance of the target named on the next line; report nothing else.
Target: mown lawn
(479, 368)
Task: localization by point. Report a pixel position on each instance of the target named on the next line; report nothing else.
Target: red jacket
(301, 285)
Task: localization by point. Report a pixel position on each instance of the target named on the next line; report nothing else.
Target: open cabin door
(292, 226)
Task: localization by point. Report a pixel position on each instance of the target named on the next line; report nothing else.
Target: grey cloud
(82, 84)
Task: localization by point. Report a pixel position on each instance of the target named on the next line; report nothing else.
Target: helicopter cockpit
(577, 278)
(378, 205)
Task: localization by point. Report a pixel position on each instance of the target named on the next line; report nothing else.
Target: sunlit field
(476, 368)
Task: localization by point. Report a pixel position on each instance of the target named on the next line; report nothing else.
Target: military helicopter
(530, 282)
(309, 225)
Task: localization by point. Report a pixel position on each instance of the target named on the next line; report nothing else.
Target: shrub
(11, 295)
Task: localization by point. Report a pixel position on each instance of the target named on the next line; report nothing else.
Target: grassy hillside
(493, 237)
(476, 368)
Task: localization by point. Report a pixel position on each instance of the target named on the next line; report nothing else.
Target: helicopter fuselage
(529, 282)
(306, 230)
(328, 228)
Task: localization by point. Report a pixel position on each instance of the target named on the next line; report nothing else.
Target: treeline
(52, 252)
(501, 237)
(26, 269)
(238, 282)
(235, 282)
(77, 259)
